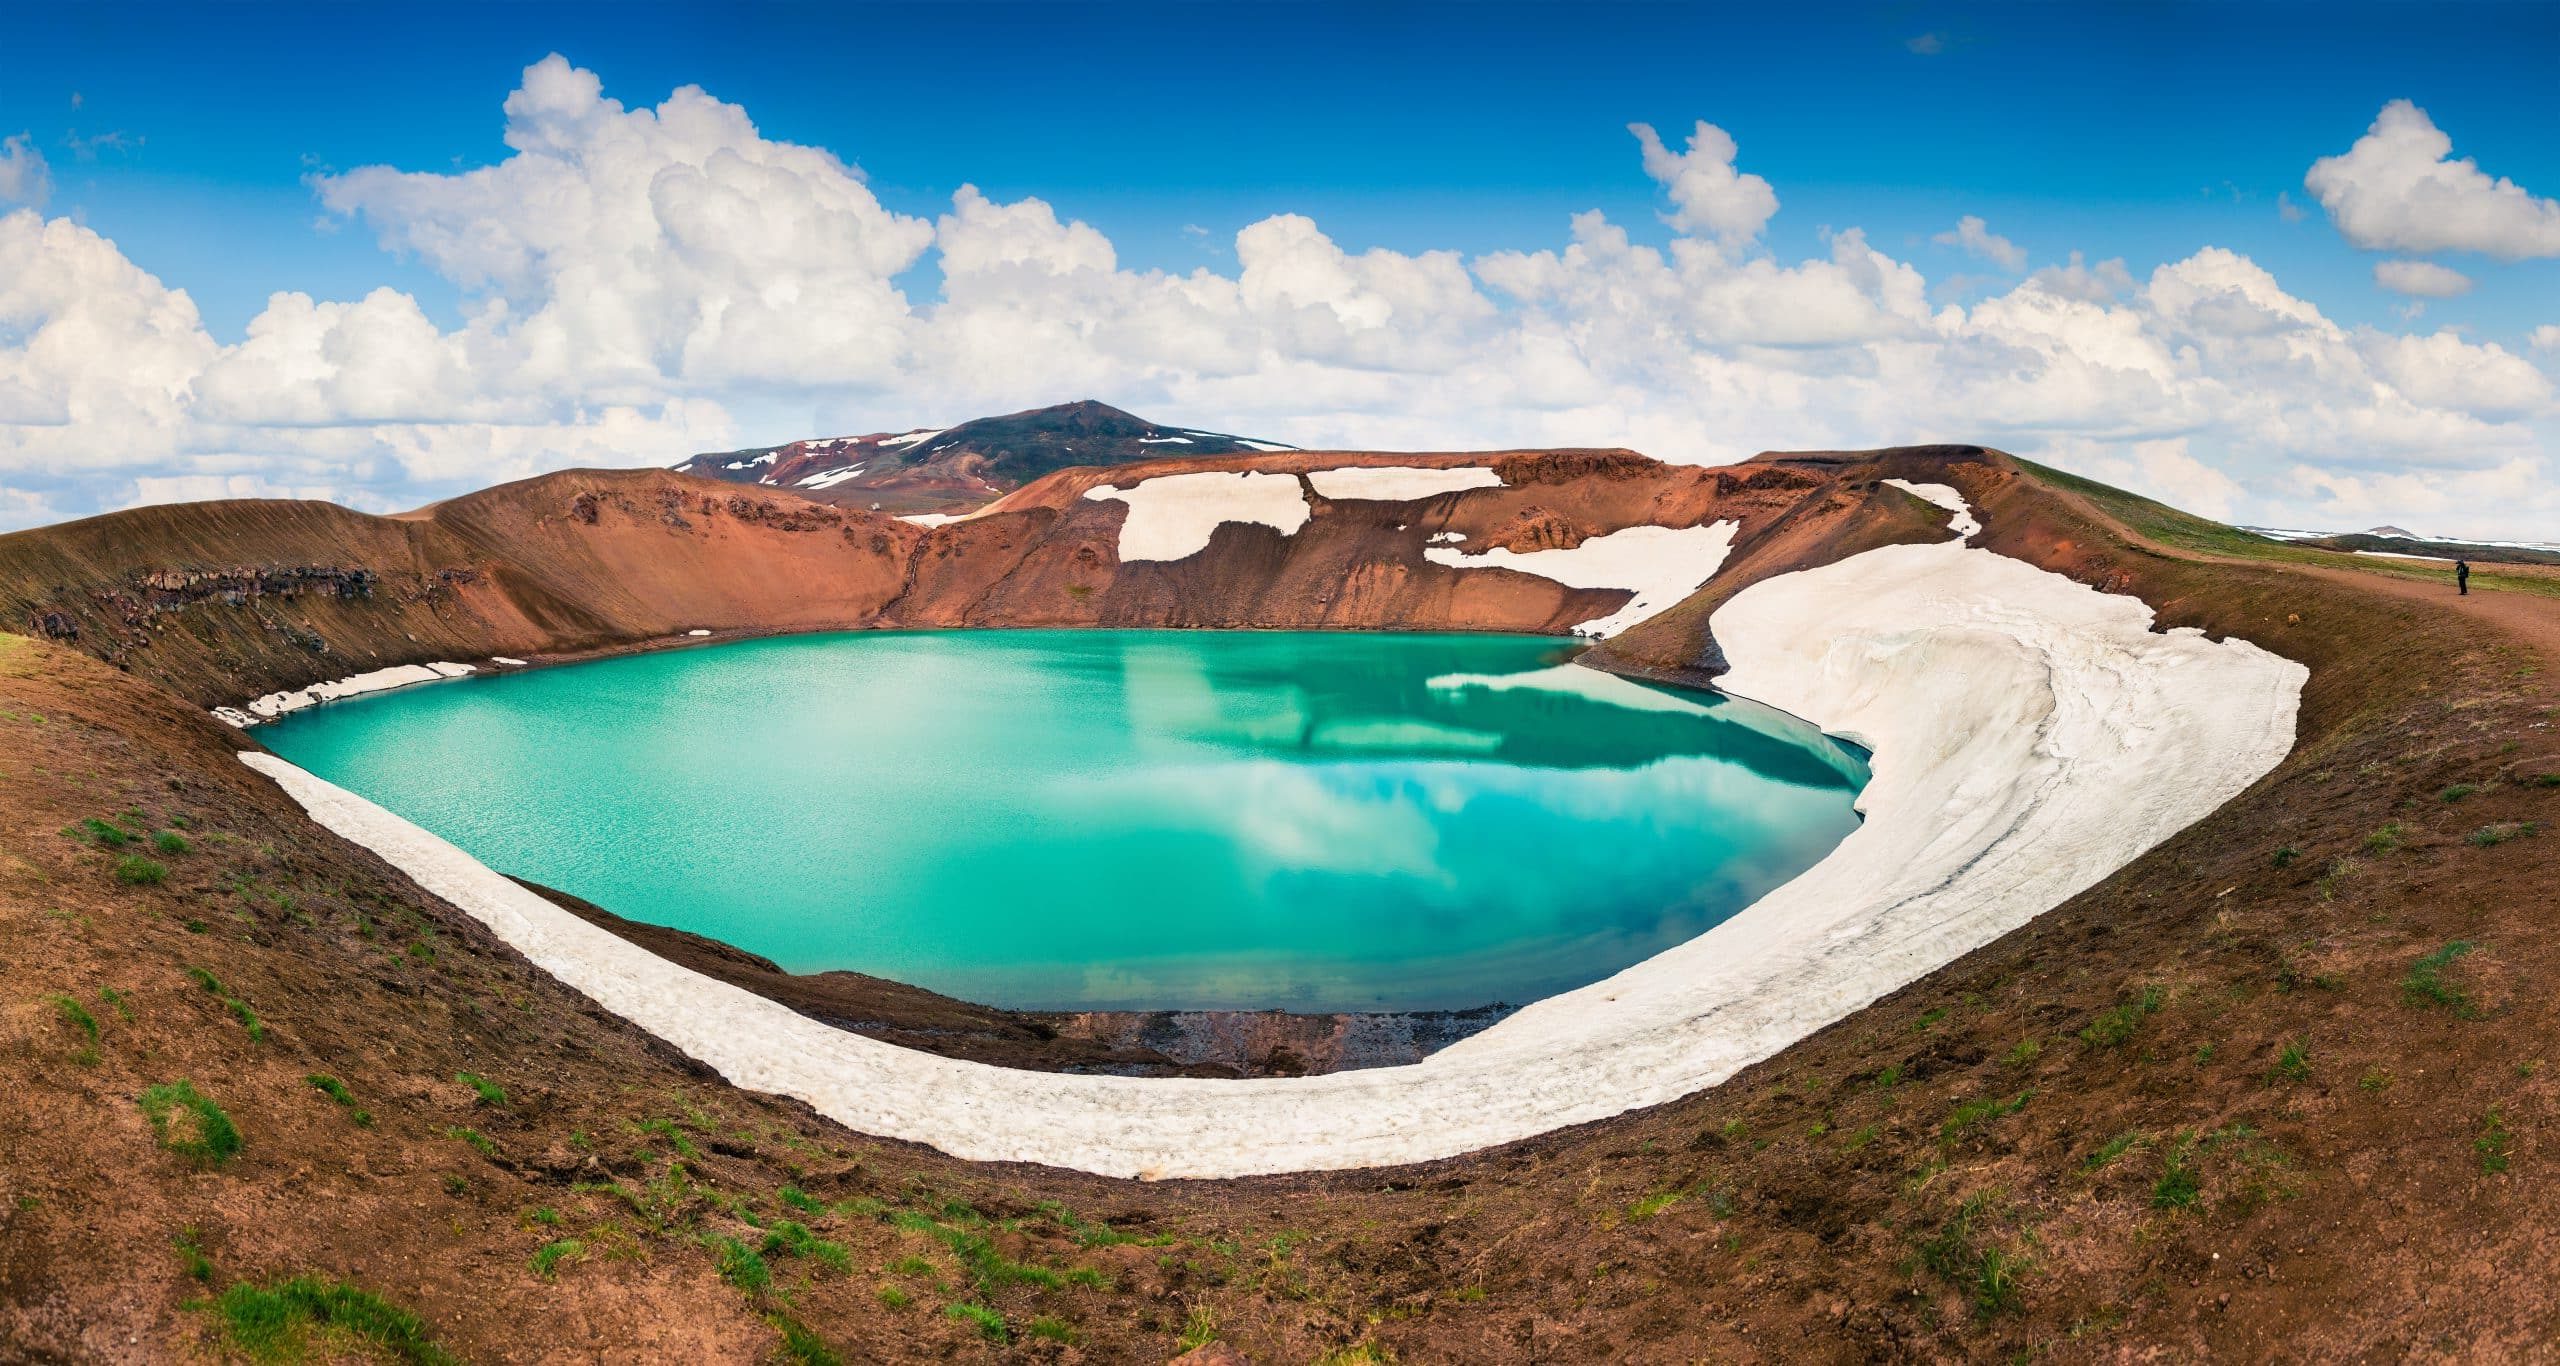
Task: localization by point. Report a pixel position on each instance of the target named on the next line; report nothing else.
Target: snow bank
(1172, 516)
(1963, 523)
(936, 518)
(911, 438)
(277, 704)
(1659, 564)
(827, 479)
(1399, 483)
(2030, 736)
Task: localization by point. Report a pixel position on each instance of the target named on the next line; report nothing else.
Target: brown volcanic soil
(2299, 1141)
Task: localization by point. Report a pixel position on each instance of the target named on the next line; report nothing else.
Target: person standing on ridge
(2462, 577)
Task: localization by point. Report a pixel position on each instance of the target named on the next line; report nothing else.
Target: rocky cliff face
(225, 600)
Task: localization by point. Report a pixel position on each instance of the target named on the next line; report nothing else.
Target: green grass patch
(78, 1017)
(280, 1322)
(2285, 855)
(2114, 1148)
(191, 1254)
(1051, 1328)
(739, 1264)
(239, 1009)
(1975, 1113)
(118, 1000)
(802, 1200)
(133, 870)
(1655, 1203)
(171, 842)
(1199, 1329)
(547, 1258)
(2490, 835)
(800, 1345)
(2293, 1064)
(989, 1323)
(2179, 1185)
(187, 1122)
(488, 1091)
(2494, 1145)
(2026, 1051)
(2457, 792)
(2390, 839)
(2426, 985)
(337, 1090)
(894, 1297)
(474, 1137)
(2117, 1025)
(790, 1239)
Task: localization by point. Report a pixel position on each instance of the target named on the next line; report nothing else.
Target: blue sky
(2126, 130)
(189, 138)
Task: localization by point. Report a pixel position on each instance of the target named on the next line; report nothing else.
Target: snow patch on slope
(1172, 516)
(1399, 483)
(1964, 524)
(1659, 564)
(277, 704)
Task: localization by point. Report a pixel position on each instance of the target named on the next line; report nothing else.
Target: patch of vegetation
(2179, 1185)
(894, 1297)
(191, 1254)
(2293, 1064)
(2026, 1051)
(666, 1129)
(337, 1090)
(2285, 855)
(2114, 1148)
(989, 1323)
(739, 1264)
(2489, 835)
(548, 1257)
(2546, 780)
(474, 1137)
(2390, 839)
(187, 1122)
(2457, 792)
(487, 1090)
(802, 1200)
(277, 1322)
(2493, 1144)
(239, 1009)
(800, 1345)
(117, 999)
(1199, 1329)
(78, 1017)
(2118, 1024)
(171, 842)
(1956, 1252)
(1654, 1204)
(989, 1269)
(1978, 1112)
(791, 1239)
(2425, 985)
(1051, 1328)
(102, 833)
(133, 870)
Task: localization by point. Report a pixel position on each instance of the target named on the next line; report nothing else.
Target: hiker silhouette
(2462, 577)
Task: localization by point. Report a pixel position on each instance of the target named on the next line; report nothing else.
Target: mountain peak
(958, 468)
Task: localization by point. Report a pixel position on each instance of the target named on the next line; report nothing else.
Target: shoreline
(2113, 736)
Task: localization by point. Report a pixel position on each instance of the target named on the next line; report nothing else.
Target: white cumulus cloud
(2399, 189)
(2421, 279)
(24, 177)
(1976, 238)
(1709, 196)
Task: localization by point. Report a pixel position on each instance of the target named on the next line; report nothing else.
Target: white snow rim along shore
(2030, 735)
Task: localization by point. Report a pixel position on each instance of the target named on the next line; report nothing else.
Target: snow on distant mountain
(948, 469)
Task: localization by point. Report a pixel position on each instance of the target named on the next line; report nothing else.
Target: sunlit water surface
(1120, 819)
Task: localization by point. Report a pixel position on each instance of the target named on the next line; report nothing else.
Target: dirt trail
(2532, 620)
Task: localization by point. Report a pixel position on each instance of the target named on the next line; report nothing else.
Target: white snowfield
(1172, 516)
(1399, 483)
(1659, 564)
(277, 704)
(2030, 736)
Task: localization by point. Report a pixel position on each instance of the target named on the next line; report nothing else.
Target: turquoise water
(1120, 819)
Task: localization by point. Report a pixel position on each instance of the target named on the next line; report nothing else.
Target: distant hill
(955, 469)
